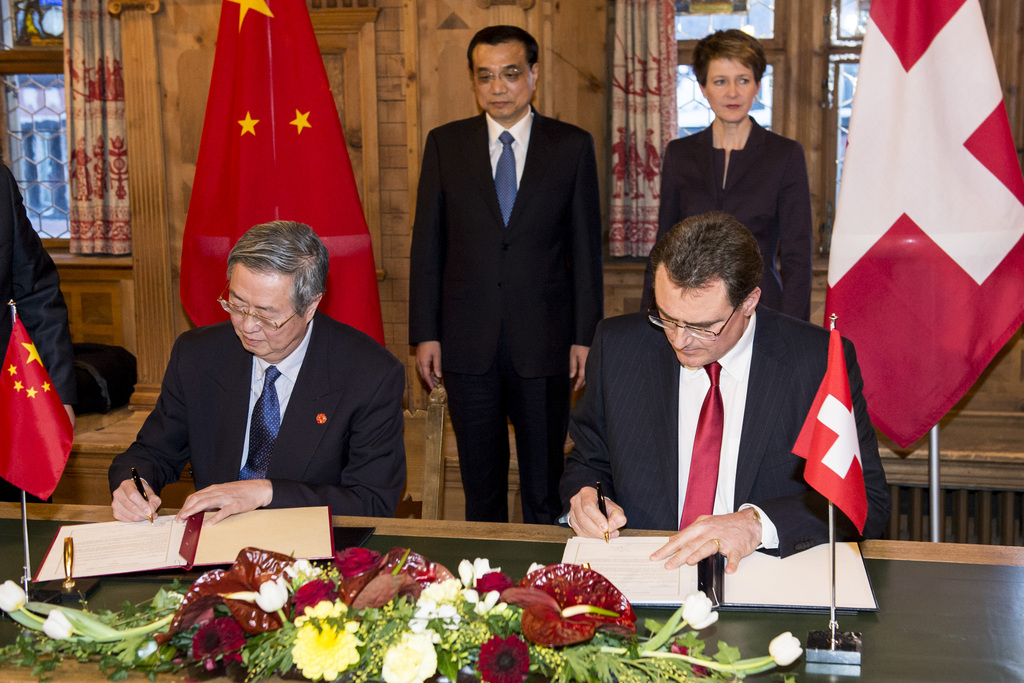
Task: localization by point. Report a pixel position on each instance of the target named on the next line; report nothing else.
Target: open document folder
(797, 583)
(124, 547)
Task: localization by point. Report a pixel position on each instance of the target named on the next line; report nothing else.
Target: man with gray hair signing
(281, 406)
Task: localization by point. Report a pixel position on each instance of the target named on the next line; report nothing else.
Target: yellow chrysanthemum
(325, 652)
(322, 610)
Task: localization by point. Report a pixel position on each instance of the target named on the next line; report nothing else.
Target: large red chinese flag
(927, 252)
(828, 440)
(36, 439)
(272, 148)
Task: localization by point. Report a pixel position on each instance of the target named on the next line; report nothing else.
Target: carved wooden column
(150, 242)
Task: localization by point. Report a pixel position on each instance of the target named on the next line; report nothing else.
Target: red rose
(312, 594)
(354, 561)
(492, 581)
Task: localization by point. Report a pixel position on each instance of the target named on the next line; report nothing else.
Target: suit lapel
(742, 163)
(233, 380)
(767, 387)
(313, 396)
(664, 369)
(539, 157)
(478, 167)
(706, 158)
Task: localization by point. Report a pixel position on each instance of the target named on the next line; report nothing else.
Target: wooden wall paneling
(411, 90)
(146, 174)
(348, 33)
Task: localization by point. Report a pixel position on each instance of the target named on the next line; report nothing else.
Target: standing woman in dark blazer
(735, 165)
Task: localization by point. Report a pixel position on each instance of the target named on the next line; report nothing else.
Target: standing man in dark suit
(641, 428)
(29, 278)
(280, 407)
(506, 279)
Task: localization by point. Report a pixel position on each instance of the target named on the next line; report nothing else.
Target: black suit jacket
(537, 282)
(766, 190)
(28, 276)
(352, 458)
(625, 429)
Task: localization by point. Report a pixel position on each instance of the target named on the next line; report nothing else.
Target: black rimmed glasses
(697, 332)
(260, 320)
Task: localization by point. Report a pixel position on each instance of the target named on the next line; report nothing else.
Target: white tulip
(697, 611)
(466, 573)
(272, 595)
(785, 649)
(57, 626)
(12, 597)
(533, 567)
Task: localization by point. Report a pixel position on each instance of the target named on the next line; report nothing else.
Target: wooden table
(947, 612)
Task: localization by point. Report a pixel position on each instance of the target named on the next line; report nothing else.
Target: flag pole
(933, 482)
(833, 651)
(27, 572)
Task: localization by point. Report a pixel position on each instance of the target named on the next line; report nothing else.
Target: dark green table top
(937, 621)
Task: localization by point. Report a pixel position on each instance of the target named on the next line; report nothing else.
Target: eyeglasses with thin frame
(698, 332)
(509, 74)
(260, 320)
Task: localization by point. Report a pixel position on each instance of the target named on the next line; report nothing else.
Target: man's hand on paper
(585, 516)
(128, 505)
(735, 535)
(228, 499)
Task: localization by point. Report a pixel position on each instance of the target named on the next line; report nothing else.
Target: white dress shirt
(521, 132)
(289, 368)
(693, 387)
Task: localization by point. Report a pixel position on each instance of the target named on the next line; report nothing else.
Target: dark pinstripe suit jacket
(625, 428)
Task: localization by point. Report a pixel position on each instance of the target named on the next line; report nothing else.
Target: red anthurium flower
(252, 567)
(565, 604)
(399, 572)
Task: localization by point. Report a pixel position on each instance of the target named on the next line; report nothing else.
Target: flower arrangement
(397, 618)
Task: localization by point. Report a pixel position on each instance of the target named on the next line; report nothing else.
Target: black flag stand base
(833, 651)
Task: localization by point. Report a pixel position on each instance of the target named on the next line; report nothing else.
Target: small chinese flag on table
(829, 443)
(35, 444)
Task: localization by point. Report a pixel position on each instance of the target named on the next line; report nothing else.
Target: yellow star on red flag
(301, 121)
(13, 369)
(255, 5)
(33, 355)
(31, 392)
(248, 124)
(18, 386)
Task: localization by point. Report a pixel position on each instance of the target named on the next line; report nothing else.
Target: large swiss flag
(927, 251)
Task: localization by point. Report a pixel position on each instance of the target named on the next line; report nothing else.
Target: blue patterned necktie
(266, 420)
(505, 176)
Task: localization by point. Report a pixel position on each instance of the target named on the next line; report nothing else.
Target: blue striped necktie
(505, 176)
(263, 427)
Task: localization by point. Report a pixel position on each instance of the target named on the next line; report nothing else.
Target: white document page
(116, 548)
(624, 561)
(802, 580)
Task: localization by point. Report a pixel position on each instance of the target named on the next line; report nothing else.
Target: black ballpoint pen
(602, 508)
(142, 490)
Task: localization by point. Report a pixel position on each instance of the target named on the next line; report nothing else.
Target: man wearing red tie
(696, 434)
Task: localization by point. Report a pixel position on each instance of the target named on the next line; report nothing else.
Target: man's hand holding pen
(586, 519)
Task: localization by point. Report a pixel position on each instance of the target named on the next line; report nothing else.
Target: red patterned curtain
(100, 215)
(643, 119)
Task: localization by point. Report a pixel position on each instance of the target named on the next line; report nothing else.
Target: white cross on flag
(828, 440)
(927, 255)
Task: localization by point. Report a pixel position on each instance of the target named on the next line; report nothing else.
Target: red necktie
(707, 451)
